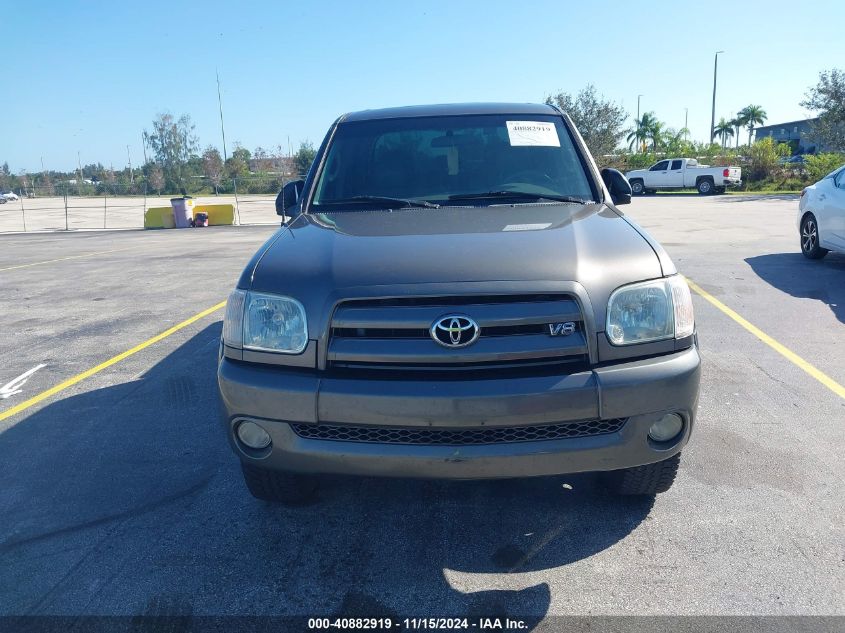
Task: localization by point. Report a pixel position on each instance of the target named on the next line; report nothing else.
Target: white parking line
(14, 386)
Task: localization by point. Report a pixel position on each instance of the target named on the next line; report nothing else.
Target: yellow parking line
(113, 360)
(781, 349)
(61, 259)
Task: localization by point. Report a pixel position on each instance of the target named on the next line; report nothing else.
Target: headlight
(265, 322)
(650, 311)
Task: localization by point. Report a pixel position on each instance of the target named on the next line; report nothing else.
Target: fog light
(253, 435)
(666, 428)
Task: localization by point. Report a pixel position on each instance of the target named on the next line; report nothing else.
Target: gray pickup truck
(453, 293)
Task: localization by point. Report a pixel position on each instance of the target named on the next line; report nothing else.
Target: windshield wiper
(525, 195)
(387, 202)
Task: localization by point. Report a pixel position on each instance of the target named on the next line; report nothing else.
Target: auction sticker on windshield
(533, 133)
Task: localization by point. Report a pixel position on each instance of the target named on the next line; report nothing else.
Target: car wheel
(810, 238)
(281, 487)
(637, 187)
(705, 186)
(650, 479)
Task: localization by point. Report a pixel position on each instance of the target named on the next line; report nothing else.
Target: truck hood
(351, 253)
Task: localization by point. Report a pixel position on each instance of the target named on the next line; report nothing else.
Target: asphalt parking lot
(120, 495)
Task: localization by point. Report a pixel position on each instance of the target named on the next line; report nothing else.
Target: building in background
(799, 135)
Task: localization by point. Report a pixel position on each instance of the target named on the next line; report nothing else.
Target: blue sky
(89, 76)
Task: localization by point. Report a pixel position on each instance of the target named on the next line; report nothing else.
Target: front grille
(393, 333)
(429, 436)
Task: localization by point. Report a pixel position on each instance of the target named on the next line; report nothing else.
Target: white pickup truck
(683, 173)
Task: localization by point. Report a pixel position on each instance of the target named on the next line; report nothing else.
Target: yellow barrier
(218, 214)
(162, 217)
(153, 218)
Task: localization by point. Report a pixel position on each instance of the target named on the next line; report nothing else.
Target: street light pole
(220, 107)
(131, 176)
(713, 112)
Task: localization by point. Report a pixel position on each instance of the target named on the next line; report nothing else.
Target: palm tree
(736, 123)
(723, 130)
(640, 133)
(656, 133)
(753, 115)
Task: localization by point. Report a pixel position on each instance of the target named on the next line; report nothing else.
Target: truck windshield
(451, 161)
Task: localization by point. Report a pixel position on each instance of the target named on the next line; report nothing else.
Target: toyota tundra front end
(455, 294)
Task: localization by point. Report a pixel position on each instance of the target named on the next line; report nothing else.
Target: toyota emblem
(455, 330)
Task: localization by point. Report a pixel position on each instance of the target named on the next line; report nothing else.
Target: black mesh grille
(456, 437)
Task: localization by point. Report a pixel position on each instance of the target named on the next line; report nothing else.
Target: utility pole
(686, 122)
(79, 164)
(713, 112)
(144, 145)
(129, 156)
(220, 106)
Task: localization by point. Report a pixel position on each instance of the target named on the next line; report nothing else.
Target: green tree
(764, 156)
(242, 153)
(675, 142)
(821, 165)
(736, 123)
(751, 116)
(646, 129)
(638, 135)
(236, 168)
(656, 132)
(155, 176)
(303, 158)
(723, 130)
(173, 142)
(599, 120)
(827, 98)
(5, 177)
(212, 167)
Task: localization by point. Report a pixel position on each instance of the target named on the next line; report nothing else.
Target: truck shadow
(126, 500)
(804, 278)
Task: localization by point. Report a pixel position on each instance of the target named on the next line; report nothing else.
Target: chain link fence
(113, 205)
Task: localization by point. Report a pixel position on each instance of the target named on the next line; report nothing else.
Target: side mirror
(288, 198)
(617, 185)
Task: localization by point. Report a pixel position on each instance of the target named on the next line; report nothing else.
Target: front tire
(705, 186)
(637, 187)
(647, 480)
(810, 238)
(279, 487)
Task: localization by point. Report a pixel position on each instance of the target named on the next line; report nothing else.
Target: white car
(10, 195)
(821, 216)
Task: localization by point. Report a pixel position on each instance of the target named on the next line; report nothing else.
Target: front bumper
(640, 391)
